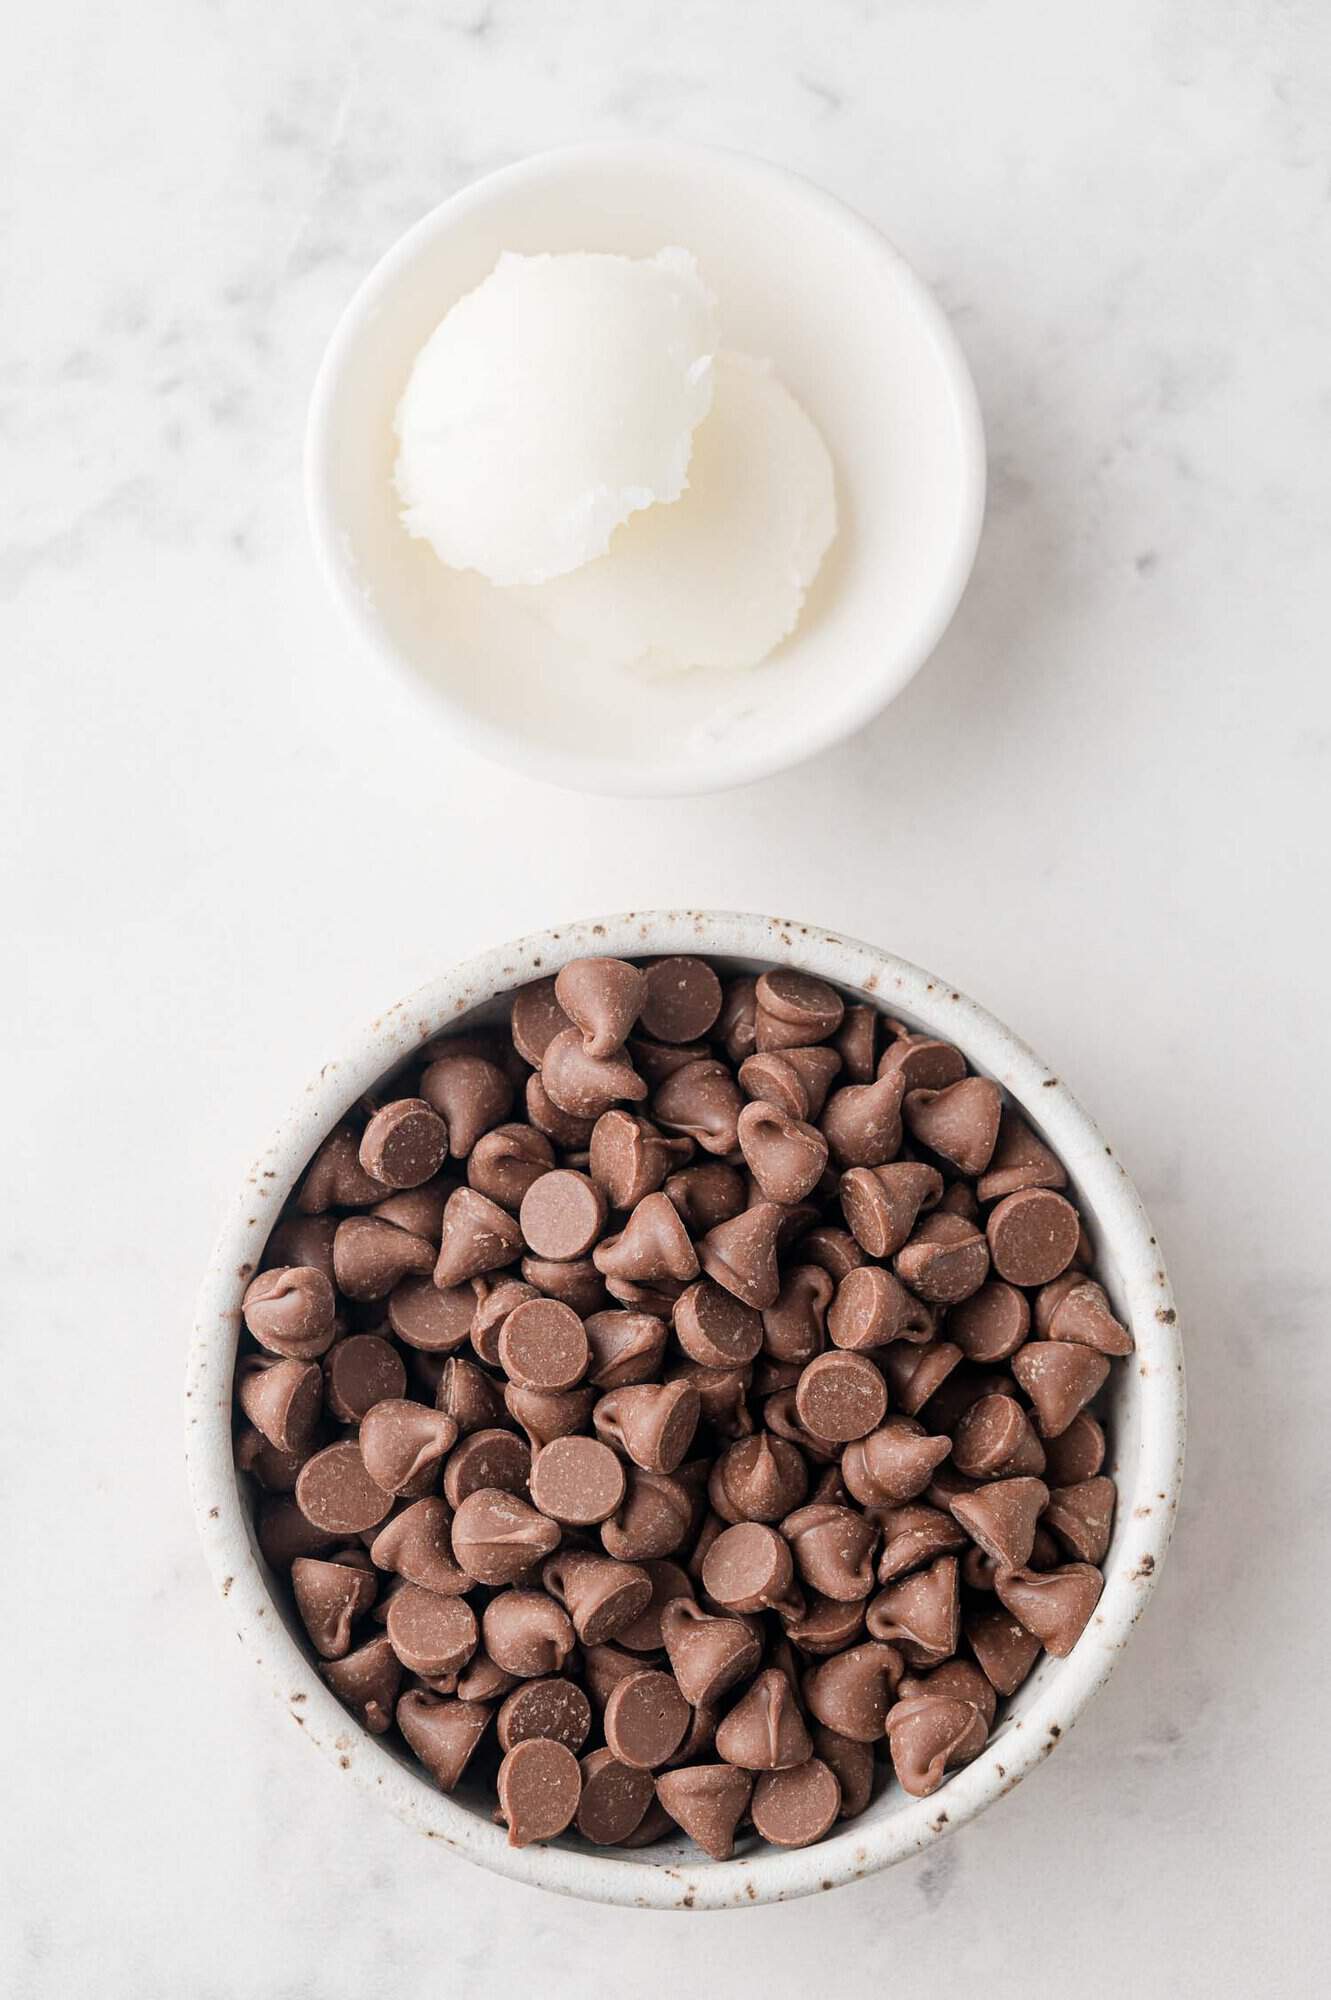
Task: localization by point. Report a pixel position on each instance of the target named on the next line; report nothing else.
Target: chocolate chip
(577, 1481)
(794, 1325)
(928, 1735)
(1032, 1236)
(1004, 1648)
(562, 1215)
(1060, 1380)
(642, 1633)
(360, 1371)
(1073, 1307)
(629, 1159)
(741, 1255)
(1055, 1606)
(547, 1118)
(576, 1284)
(945, 1261)
(915, 1374)
(430, 1634)
(894, 1463)
(913, 1534)
(872, 1308)
(330, 1596)
(467, 1394)
(478, 1236)
(1001, 1518)
(750, 1568)
(367, 1681)
(833, 1548)
(335, 1493)
(826, 1627)
(706, 1195)
(539, 1787)
(282, 1399)
(853, 1691)
(645, 1719)
(536, 1019)
(527, 1633)
(785, 1156)
(703, 1102)
(653, 1519)
(652, 1245)
(1019, 1160)
(959, 1122)
(291, 1311)
(765, 1731)
(796, 1807)
(542, 1345)
(546, 1414)
(852, 1765)
(603, 998)
(625, 1347)
(435, 1321)
(615, 1797)
(736, 1025)
(682, 1000)
(506, 1162)
(992, 1323)
(840, 1397)
(862, 1122)
(416, 1546)
(443, 1733)
(336, 1178)
(923, 1062)
(708, 1655)
(795, 1009)
(1081, 1517)
(857, 1043)
(994, 1440)
(404, 1444)
(921, 1614)
(371, 1256)
(708, 1801)
(302, 1240)
(759, 1478)
(498, 1537)
(404, 1143)
(584, 1085)
(601, 1596)
(1076, 1454)
(652, 1422)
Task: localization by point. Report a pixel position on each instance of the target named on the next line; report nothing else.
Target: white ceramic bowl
(1145, 1402)
(803, 281)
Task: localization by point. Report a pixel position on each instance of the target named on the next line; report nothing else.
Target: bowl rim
(1106, 1192)
(745, 764)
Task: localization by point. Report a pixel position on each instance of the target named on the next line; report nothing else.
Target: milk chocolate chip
(539, 1787)
(404, 1143)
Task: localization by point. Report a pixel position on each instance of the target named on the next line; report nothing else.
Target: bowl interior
(802, 281)
(1144, 1435)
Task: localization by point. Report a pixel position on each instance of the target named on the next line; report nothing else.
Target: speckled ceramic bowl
(1146, 1422)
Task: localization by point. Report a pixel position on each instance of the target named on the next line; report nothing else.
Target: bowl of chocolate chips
(687, 1411)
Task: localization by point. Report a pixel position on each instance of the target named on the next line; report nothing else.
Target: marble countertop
(228, 838)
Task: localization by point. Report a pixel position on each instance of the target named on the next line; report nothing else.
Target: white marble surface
(1101, 809)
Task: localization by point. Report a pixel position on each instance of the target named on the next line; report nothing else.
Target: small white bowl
(802, 281)
(1144, 1397)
